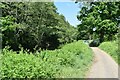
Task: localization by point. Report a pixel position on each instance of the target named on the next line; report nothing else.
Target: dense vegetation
(33, 26)
(65, 62)
(112, 49)
(99, 20)
(38, 42)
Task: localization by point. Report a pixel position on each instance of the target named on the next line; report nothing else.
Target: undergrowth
(72, 60)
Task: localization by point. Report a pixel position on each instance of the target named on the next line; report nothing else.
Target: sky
(69, 10)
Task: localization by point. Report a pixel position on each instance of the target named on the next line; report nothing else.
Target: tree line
(34, 25)
(38, 25)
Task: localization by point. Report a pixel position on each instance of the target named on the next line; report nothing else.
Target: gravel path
(104, 66)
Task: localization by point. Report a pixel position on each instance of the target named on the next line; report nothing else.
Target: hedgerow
(72, 60)
(112, 49)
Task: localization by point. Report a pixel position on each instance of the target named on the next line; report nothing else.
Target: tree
(100, 18)
(67, 33)
(34, 25)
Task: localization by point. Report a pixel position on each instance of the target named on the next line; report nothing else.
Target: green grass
(72, 60)
(112, 49)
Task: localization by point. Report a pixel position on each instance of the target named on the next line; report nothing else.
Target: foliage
(79, 57)
(24, 65)
(34, 25)
(47, 64)
(66, 32)
(112, 49)
(99, 19)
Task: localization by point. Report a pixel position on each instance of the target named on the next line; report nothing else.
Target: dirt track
(104, 66)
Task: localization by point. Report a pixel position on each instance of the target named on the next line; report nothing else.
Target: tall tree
(34, 25)
(100, 18)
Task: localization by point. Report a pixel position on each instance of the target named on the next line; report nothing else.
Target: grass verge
(112, 49)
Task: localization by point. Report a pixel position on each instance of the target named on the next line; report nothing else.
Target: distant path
(104, 66)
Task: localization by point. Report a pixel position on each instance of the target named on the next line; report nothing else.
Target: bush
(94, 43)
(24, 65)
(112, 49)
(78, 57)
(72, 60)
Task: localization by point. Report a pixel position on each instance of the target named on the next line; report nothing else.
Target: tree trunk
(110, 37)
(101, 36)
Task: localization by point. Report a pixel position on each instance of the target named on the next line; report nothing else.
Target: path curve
(104, 66)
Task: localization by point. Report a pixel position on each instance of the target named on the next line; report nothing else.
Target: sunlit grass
(112, 49)
(71, 61)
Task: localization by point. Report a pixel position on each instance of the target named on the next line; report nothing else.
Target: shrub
(24, 65)
(111, 48)
(72, 60)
